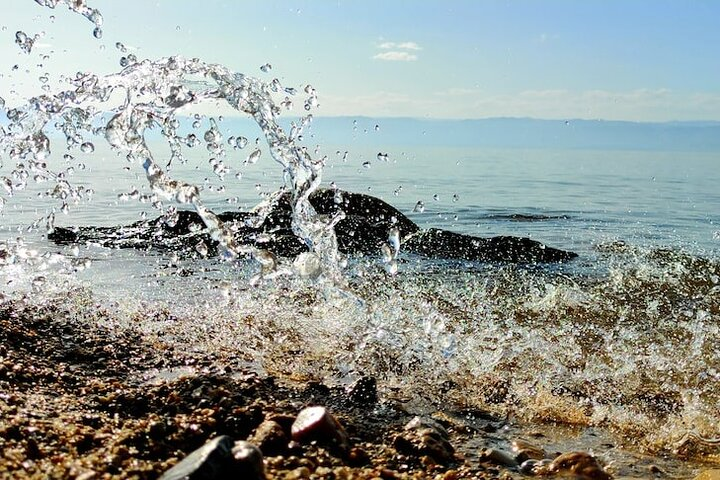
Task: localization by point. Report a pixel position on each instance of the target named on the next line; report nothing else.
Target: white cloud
(400, 46)
(396, 56)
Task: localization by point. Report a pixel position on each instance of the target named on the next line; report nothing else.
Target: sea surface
(615, 352)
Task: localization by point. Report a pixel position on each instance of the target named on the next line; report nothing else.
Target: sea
(615, 352)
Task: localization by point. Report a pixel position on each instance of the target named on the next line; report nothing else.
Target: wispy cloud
(398, 51)
(396, 56)
(400, 46)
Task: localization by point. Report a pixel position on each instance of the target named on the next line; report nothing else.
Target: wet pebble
(524, 450)
(212, 460)
(270, 438)
(498, 457)
(318, 424)
(425, 436)
(220, 458)
(581, 464)
(248, 461)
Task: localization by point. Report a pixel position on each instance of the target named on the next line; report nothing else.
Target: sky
(652, 60)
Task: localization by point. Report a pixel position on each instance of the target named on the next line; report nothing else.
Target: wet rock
(498, 457)
(425, 436)
(213, 460)
(583, 465)
(318, 424)
(534, 467)
(270, 438)
(363, 391)
(524, 450)
(248, 461)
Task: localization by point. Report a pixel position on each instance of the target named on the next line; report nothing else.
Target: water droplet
(266, 68)
(377, 128)
(241, 142)
(366, 164)
(436, 197)
(254, 156)
(419, 207)
(97, 33)
(120, 47)
(201, 248)
(455, 197)
(87, 147)
(308, 265)
(383, 157)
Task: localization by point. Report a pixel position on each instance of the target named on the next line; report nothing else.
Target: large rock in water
(364, 230)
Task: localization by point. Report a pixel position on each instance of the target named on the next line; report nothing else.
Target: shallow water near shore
(614, 353)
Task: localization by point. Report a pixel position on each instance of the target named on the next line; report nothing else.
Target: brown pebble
(270, 437)
(581, 464)
(248, 461)
(317, 423)
(527, 451)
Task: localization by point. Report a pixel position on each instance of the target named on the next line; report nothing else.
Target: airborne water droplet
(87, 147)
(97, 32)
(266, 68)
(254, 156)
(419, 207)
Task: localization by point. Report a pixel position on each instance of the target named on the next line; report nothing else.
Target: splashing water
(151, 94)
(633, 352)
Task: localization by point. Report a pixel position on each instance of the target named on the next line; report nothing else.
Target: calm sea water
(573, 199)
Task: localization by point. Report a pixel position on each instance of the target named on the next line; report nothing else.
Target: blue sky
(628, 60)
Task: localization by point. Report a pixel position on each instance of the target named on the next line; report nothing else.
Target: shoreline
(86, 401)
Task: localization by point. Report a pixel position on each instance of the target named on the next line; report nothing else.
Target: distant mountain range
(521, 133)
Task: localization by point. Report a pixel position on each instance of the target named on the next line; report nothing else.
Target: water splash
(150, 95)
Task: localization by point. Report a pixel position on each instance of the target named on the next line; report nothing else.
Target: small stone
(363, 391)
(316, 423)
(211, 461)
(270, 438)
(425, 436)
(499, 457)
(583, 465)
(527, 451)
(528, 467)
(248, 461)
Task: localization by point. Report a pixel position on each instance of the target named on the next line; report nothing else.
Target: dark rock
(318, 424)
(363, 391)
(270, 438)
(364, 230)
(212, 461)
(425, 436)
